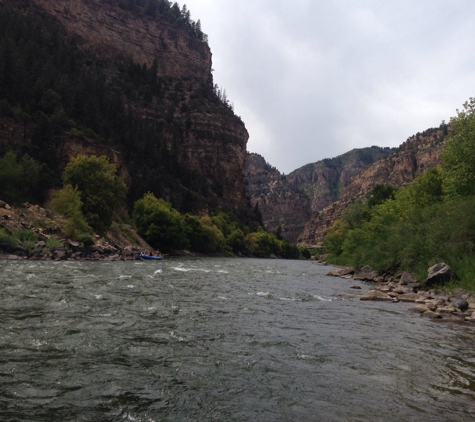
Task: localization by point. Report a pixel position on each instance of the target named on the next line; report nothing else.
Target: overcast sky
(313, 79)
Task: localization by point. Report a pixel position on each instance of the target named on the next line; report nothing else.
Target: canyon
(195, 158)
(419, 153)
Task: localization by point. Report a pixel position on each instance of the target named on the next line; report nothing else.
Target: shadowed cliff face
(196, 159)
(414, 157)
(281, 205)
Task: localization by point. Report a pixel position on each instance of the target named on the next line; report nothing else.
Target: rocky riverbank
(433, 303)
(120, 243)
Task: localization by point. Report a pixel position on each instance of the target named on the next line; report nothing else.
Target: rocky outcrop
(414, 157)
(195, 157)
(113, 32)
(120, 243)
(432, 303)
(323, 181)
(283, 208)
(287, 202)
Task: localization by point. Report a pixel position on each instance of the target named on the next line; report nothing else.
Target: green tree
(19, 178)
(67, 201)
(160, 224)
(458, 156)
(102, 190)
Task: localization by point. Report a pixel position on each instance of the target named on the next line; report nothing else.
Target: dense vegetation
(55, 91)
(431, 220)
(52, 91)
(165, 228)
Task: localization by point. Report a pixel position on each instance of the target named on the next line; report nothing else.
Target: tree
(67, 201)
(102, 190)
(458, 157)
(160, 224)
(19, 178)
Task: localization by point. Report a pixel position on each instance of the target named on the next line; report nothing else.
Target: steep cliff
(323, 181)
(414, 157)
(283, 208)
(141, 84)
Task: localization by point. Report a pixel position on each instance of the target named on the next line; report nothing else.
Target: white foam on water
(323, 299)
(265, 294)
(173, 335)
(185, 270)
(30, 276)
(130, 286)
(222, 297)
(125, 276)
(98, 297)
(289, 299)
(158, 271)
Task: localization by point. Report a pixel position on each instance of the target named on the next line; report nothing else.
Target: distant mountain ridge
(419, 153)
(323, 181)
(286, 203)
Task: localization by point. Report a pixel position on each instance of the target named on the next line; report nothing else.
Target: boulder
(376, 295)
(384, 289)
(408, 297)
(439, 274)
(346, 271)
(461, 304)
(432, 315)
(420, 308)
(414, 286)
(406, 278)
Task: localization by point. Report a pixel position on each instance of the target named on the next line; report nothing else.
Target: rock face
(283, 208)
(414, 157)
(113, 32)
(288, 201)
(197, 159)
(323, 181)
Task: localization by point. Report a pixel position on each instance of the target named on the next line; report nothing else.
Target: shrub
(86, 239)
(160, 224)
(54, 242)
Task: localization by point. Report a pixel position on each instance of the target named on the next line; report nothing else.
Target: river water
(220, 340)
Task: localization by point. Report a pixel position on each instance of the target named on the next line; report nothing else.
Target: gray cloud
(313, 79)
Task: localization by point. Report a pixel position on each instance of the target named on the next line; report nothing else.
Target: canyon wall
(323, 181)
(283, 208)
(202, 169)
(414, 157)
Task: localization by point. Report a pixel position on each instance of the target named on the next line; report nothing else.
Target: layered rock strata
(283, 208)
(414, 157)
(323, 181)
(200, 131)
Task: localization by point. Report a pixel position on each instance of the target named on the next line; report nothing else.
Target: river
(220, 339)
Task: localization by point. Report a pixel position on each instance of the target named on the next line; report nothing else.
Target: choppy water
(219, 340)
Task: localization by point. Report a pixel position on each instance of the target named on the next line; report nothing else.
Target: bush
(24, 235)
(67, 201)
(86, 239)
(54, 242)
(161, 225)
(101, 190)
